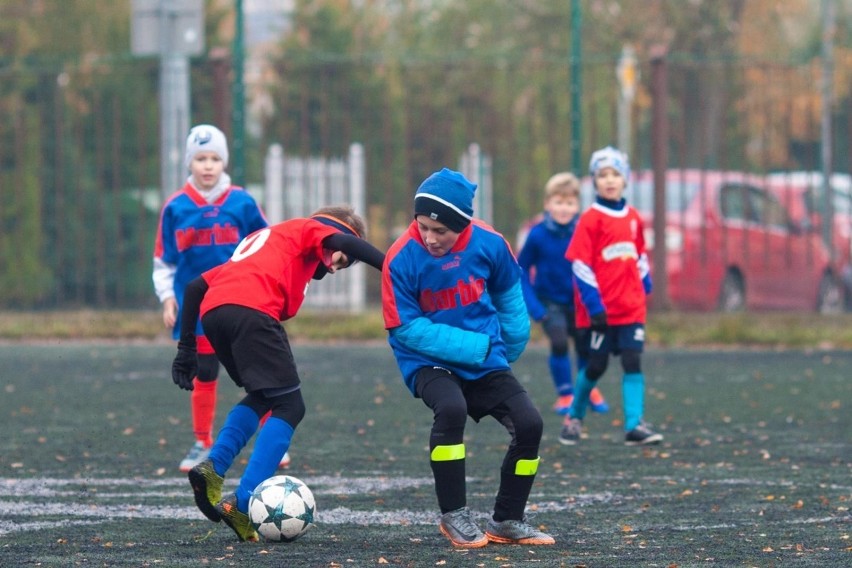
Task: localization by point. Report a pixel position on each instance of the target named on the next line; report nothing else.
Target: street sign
(167, 27)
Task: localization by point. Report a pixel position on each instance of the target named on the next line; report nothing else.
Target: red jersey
(270, 269)
(606, 252)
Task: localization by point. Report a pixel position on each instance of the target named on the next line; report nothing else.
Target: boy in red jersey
(241, 304)
(612, 280)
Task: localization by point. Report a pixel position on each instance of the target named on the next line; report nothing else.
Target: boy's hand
(599, 322)
(185, 366)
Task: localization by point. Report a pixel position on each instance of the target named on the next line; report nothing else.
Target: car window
(842, 202)
(679, 194)
(774, 215)
(733, 202)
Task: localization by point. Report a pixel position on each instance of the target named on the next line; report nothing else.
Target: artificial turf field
(755, 468)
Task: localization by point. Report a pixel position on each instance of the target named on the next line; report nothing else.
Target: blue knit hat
(447, 197)
(610, 157)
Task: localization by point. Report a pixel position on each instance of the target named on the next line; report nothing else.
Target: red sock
(203, 401)
(263, 419)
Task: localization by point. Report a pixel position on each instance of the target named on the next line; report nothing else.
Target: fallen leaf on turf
(799, 504)
(382, 560)
(768, 549)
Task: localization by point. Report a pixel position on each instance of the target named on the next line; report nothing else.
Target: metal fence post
(659, 159)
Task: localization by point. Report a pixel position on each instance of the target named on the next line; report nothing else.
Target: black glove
(185, 366)
(599, 323)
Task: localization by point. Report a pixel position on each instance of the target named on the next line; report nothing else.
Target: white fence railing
(296, 187)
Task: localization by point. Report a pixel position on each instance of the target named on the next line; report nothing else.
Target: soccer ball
(282, 508)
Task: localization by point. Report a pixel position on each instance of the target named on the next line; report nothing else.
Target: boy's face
(206, 168)
(339, 261)
(439, 239)
(562, 208)
(609, 183)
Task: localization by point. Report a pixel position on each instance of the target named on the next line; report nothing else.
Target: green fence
(79, 144)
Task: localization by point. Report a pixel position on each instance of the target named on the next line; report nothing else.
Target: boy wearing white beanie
(200, 226)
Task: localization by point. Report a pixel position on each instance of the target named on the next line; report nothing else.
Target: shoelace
(464, 523)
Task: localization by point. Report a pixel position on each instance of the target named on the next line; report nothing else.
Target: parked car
(733, 245)
(802, 194)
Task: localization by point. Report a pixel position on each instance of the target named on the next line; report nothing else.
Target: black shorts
(483, 395)
(252, 346)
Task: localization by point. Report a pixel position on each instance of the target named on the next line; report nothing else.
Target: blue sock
(240, 426)
(582, 388)
(271, 443)
(560, 372)
(633, 391)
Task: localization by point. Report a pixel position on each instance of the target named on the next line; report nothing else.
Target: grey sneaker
(197, 454)
(572, 428)
(459, 527)
(516, 532)
(207, 489)
(642, 435)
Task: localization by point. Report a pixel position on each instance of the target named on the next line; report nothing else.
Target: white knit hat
(205, 138)
(610, 157)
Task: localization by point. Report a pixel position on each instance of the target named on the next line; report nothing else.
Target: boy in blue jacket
(456, 318)
(548, 285)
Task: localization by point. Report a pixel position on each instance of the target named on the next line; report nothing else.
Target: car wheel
(732, 295)
(830, 299)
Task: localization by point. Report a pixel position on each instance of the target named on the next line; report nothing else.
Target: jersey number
(250, 245)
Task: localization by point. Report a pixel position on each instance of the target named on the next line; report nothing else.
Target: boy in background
(612, 279)
(200, 226)
(456, 319)
(548, 285)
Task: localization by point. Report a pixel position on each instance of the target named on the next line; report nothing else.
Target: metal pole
(174, 103)
(659, 159)
(828, 22)
(576, 87)
(237, 165)
(627, 77)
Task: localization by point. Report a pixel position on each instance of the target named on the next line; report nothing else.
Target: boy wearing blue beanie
(456, 319)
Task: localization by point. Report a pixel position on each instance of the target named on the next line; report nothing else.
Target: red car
(802, 193)
(733, 245)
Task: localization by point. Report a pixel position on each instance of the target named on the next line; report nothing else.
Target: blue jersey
(463, 311)
(194, 236)
(547, 273)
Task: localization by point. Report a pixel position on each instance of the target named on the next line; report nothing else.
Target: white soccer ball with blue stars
(282, 508)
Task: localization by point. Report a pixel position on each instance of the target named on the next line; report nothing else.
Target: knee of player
(595, 368)
(631, 362)
(208, 368)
